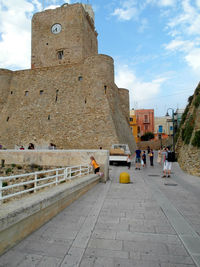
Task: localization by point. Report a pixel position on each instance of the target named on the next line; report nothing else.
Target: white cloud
(51, 7)
(15, 31)
(15, 28)
(190, 49)
(125, 13)
(188, 21)
(162, 3)
(185, 29)
(143, 26)
(138, 89)
(198, 3)
(166, 3)
(193, 58)
(178, 44)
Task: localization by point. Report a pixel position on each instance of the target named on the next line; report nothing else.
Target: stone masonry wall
(5, 78)
(77, 38)
(73, 103)
(124, 98)
(53, 105)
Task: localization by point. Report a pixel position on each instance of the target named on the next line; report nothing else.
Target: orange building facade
(145, 121)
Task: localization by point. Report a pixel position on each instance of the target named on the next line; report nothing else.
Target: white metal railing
(39, 179)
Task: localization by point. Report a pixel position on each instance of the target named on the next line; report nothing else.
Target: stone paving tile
(166, 258)
(50, 247)
(116, 262)
(105, 244)
(49, 262)
(164, 229)
(105, 234)
(108, 219)
(13, 258)
(97, 262)
(131, 230)
(60, 233)
(163, 238)
(106, 253)
(151, 248)
(105, 212)
(30, 260)
(176, 265)
(112, 226)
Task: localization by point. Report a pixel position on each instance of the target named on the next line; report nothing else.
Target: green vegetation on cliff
(196, 139)
(187, 125)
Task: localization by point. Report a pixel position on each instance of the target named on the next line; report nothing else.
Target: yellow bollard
(124, 178)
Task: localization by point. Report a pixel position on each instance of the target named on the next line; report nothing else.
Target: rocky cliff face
(188, 136)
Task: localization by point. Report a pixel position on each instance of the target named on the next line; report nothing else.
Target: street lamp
(167, 115)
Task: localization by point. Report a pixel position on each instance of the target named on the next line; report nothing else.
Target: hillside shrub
(196, 139)
(8, 170)
(34, 166)
(4, 184)
(187, 130)
(190, 98)
(197, 101)
(184, 116)
(19, 167)
(147, 136)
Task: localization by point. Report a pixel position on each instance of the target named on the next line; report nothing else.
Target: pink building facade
(145, 121)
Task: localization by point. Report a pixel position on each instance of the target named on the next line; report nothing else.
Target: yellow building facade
(133, 125)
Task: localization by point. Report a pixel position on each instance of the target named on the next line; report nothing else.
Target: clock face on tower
(56, 28)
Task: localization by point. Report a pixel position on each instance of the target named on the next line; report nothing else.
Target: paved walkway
(149, 222)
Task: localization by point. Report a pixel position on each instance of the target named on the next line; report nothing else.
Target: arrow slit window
(60, 54)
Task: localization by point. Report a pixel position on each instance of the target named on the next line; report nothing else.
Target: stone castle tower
(68, 97)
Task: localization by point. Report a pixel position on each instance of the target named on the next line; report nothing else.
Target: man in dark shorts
(137, 159)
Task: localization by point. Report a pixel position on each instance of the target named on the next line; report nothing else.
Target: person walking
(151, 155)
(144, 158)
(94, 164)
(129, 161)
(167, 163)
(159, 158)
(137, 159)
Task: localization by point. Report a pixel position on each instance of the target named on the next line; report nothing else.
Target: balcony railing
(16, 185)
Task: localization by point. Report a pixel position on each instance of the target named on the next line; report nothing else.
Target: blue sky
(155, 45)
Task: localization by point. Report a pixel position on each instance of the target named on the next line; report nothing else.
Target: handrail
(54, 177)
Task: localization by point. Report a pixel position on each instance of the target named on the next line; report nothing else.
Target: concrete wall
(21, 217)
(57, 158)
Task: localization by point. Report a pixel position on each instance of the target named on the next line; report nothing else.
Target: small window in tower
(41, 92)
(49, 117)
(26, 93)
(60, 54)
(11, 92)
(80, 78)
(85, 100)
(57, 95)
(7, 118)
(105, 89)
